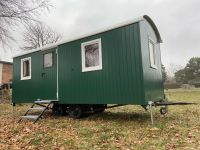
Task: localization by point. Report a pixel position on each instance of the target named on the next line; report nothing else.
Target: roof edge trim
(6, 62)
(159, 40)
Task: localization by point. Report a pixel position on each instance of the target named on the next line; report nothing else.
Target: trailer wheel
(163, 110)
(75, 112)
(55, 110)
(59, 110)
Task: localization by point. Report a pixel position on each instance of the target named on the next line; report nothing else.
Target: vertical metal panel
(25, 91)
(48, 81)
(120, 80)
(126, 77)
(153, 86)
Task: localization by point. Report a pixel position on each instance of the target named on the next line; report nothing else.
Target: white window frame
(93, 68)
(152, 61)
(22, 61)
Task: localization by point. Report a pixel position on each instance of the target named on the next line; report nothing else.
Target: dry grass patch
(126, 127)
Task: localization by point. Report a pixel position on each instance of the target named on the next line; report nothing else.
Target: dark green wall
(153, 85)
(25, 91)
(126, 77)
(120, 80)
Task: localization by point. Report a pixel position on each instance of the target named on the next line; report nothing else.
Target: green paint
(42, 84)
(126, 77)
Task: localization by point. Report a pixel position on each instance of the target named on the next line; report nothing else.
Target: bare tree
(38, 35)
(172, 68)
(15, 12)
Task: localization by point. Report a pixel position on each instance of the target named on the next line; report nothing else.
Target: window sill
(153, 67)
(92, 69)
(26, 78)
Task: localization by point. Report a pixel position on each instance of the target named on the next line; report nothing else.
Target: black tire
(59, 110)
(62, 110)
(55, 110)
(163, 110)
(75, 112)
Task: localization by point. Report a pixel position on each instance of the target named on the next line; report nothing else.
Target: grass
(127, 127)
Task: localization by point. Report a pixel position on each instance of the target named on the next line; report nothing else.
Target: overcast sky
(177, 20)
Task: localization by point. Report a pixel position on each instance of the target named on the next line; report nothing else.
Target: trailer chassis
(164, 106)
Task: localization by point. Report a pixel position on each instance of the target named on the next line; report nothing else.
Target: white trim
(99, 67)
(57, 84)
(47, 47)
(85, 35)
(152, 62)
(1, 72)
(22, 60)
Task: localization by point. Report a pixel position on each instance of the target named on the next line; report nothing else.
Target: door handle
(43, 74)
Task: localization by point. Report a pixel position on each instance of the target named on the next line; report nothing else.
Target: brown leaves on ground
(126, 128)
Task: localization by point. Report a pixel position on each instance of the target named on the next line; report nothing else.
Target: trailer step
(31, 117)
(45, 105)
(37, 108)
(44, 101)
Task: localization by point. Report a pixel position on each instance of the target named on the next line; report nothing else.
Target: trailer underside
(77, 111)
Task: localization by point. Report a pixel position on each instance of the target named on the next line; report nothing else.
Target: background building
(6, 71)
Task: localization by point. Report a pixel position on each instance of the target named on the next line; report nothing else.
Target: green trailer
(116, 65)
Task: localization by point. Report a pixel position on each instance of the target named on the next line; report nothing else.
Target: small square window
(91, 55)
(26, 68)
(48, 60)
(152, 54)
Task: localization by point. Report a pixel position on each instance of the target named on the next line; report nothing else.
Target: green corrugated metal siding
(126, 77)
(120, 81)
(153, 85)
(49, 80)
(25, 91)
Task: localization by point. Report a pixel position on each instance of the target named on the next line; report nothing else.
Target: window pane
(48, 60)
(152, 53)
(26, 68)
(92, 55)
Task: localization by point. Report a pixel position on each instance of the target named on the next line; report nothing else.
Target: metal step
(45, 106)
(43, 102)
(37, 108)
(31, 117)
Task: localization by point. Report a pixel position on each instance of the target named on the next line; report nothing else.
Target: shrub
(172, 85)
(5, 95)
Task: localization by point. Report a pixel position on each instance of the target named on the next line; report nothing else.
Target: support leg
(13, 114)
(151, 111)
